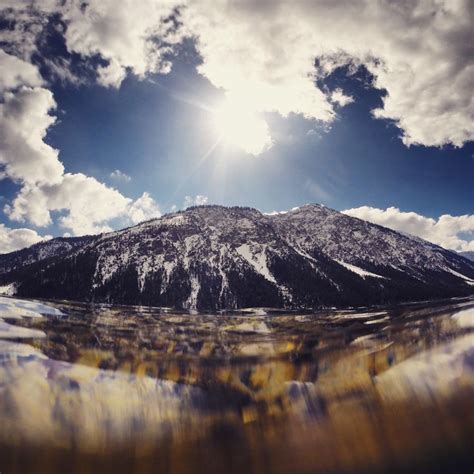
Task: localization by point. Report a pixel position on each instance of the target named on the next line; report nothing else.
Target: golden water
(90, 388)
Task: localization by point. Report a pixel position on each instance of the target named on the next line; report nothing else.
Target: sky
(114, 112)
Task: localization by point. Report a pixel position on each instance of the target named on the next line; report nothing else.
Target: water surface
(95, 388)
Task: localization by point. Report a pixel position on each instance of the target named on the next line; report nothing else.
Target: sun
(240, 127)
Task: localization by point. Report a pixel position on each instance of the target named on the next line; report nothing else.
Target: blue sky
(150, 134)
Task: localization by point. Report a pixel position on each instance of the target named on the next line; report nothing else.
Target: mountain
(42, 251)
(468, 255)
(213, 257)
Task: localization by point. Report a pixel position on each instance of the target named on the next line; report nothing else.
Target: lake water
(95, 388)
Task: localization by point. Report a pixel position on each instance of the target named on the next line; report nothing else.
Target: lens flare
(242, 128)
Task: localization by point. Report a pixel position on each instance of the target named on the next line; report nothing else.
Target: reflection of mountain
(217, 257)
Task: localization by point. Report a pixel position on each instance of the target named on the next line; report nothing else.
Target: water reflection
(94, 388)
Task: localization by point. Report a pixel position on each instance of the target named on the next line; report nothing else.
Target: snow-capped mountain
(213, 257)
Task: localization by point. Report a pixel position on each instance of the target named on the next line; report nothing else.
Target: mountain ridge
(214, 257)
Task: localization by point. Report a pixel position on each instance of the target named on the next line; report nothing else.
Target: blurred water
(96, 388)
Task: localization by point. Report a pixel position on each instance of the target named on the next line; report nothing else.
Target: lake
(97, 388)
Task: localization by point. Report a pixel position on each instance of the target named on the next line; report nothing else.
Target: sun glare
(241, 128)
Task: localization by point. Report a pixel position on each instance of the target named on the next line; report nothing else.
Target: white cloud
(26, 20)
(112, 75)
(452, 232)
(16, 72)
(15, 239)
(341, 99)
(198, 200)
(118, 175)
(128, 34)
(144, 208)
(24, 121)
(262, 54)
(88, 204)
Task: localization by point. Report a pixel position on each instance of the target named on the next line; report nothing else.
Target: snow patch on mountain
(359, 271)
(256, 257)
(175, 220)
(223, 255)
(191, 302)
(460, 275)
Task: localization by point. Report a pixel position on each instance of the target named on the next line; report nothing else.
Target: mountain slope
(213, 257)
(41, 251)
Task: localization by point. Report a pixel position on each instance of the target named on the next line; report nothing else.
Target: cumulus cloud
(144, 208)
(16, 72)
(198, 200)
(451, 232)
(271, 56)
(15, 239)
(118, 175)
(84, 204)
(420, 52)
(130, 35)
(24, 121)
(87, 205)
(111, 75)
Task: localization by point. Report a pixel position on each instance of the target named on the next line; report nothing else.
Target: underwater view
(98, 388)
